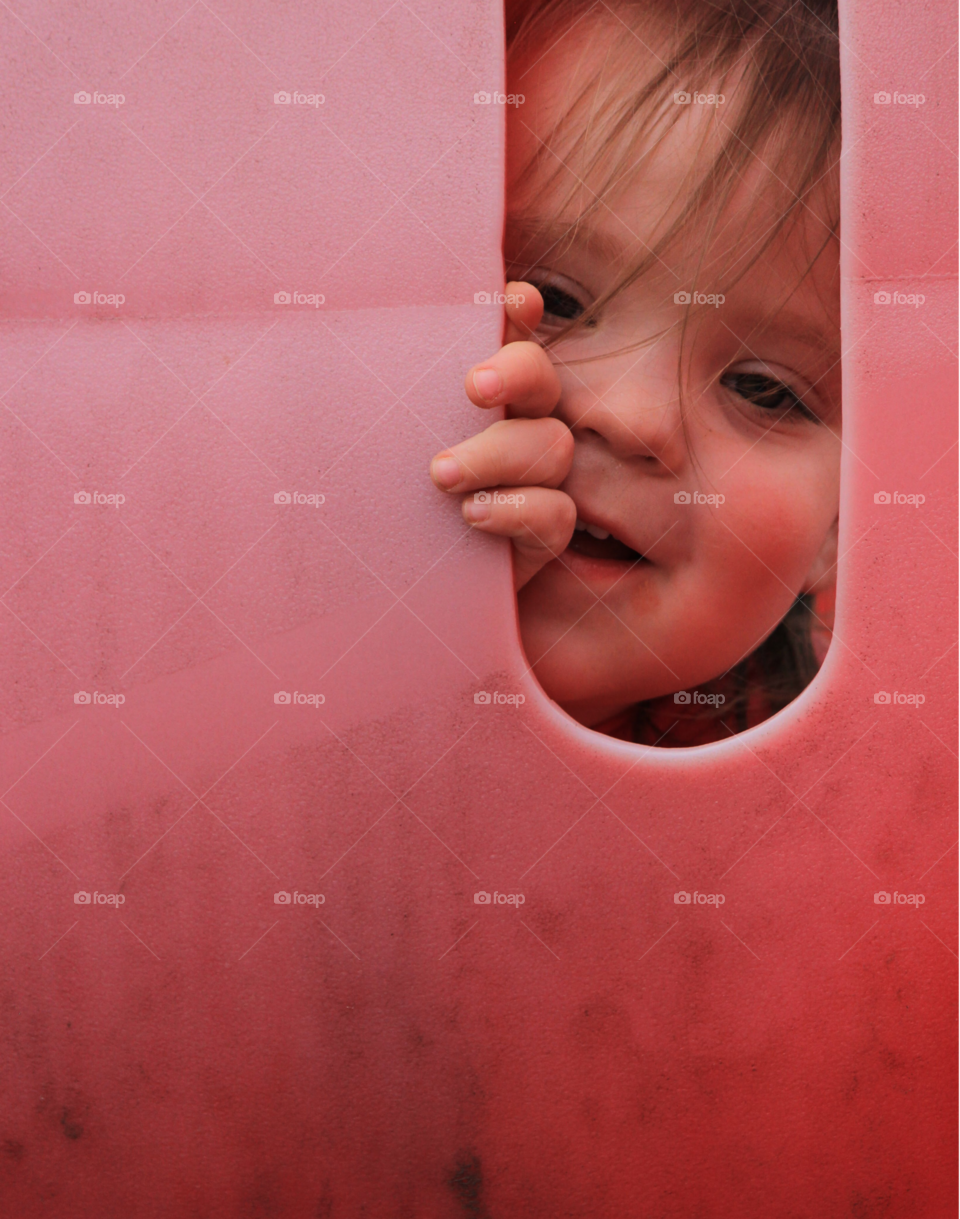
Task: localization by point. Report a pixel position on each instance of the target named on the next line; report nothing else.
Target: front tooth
(596, 532)
(579, 525)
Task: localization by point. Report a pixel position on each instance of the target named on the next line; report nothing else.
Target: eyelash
(552, 295)
(766, 393)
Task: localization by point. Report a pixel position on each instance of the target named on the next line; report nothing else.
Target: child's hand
(521, 459)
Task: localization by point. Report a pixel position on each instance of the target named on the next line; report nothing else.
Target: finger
(520, 375)
(523, 310)
(524, 451)
(538, 521)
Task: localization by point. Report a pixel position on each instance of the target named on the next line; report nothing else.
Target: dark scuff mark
(466, 1182)
(72, 1127)
(12, 1149)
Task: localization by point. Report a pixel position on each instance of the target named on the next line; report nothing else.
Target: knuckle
(541, 369)
(548, 518)
(473, 458)
(531, 363)
(508, 441)
(558, 449)
(562, 440)
(498, 462)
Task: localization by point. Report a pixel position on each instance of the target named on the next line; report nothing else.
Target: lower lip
(603, 571)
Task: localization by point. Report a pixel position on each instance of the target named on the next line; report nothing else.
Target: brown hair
(778, 62)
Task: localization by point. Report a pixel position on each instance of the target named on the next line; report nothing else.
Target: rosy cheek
(767, 534)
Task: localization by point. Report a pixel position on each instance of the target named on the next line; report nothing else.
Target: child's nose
(634, 418)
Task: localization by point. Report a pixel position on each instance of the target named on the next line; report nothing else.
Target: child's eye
(558, 303)
(564, 300)
(767, 392)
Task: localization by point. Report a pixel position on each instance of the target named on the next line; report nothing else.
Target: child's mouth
(597, 543)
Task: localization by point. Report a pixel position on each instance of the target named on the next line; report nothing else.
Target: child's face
(602, 629)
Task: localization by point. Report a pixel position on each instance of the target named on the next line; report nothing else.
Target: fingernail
(475, 511)
(446, 471)
(488, 384)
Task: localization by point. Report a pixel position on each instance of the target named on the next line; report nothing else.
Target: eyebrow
(791, 323)
(546, 234)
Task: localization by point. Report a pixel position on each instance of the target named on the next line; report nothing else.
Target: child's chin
(573, 663)
(581, 652)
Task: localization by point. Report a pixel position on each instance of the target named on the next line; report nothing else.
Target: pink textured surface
(403, 1051)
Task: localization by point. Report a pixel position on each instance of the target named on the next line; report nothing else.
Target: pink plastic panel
(200, 1049)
